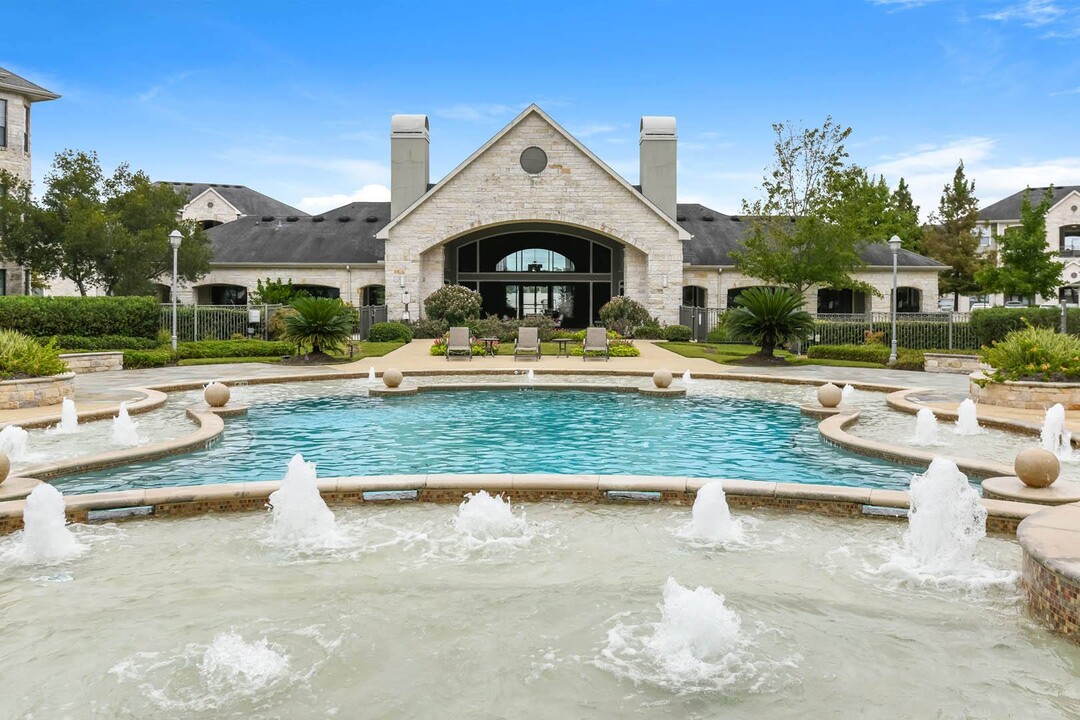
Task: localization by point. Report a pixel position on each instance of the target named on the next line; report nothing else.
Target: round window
(533, 160)
(210, 204)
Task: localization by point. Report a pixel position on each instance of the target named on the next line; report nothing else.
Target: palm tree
(325, 324)
(768, 317)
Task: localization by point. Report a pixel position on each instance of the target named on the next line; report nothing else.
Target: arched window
(908, 300)
(373, 295)
(535, 260)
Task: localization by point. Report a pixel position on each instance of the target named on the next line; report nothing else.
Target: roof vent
(291, 218)
(681, 218)
(317, 218)
(267, 218)
(371, 218)
(707, 218)
(344, 218)
(736, 218)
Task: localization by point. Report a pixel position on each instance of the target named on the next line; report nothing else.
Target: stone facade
(210, 206)
(350, 280)
(93, 362)
(1026, 395)
(574, 190)
(956, 364)
(35, 392)
(15, 159)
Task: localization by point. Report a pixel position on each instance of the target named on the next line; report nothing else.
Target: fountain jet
(710, 516)
(69, 418)
(125, 430)
(967, 422)
(1055, 436)
(14, 442)
(46, 537)
(926, 427)
(301, 516)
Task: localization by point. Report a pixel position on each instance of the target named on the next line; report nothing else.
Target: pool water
(512, 431)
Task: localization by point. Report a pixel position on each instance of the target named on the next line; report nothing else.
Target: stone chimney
(658, 162)
(410, 150)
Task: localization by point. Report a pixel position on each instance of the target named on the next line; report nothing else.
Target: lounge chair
(458, 343)
(527, 343)
(596, 340)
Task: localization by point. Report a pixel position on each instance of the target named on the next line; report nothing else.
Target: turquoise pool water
(513, 431)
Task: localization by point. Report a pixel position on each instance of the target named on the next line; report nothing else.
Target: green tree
(794, 239)
(22, 238)
(1028, 267)
(141, 215)
(903, 219)
(768, 317)
(276, 292)
(323, 324)
(951, 238)
(73, 217)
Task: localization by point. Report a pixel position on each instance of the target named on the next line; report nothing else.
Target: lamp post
(894, 245)
(175, 238)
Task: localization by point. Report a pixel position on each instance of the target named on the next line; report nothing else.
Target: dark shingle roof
(11, 81)
(326, 238)
(243, 198)
(717, 235)
(1009, 208)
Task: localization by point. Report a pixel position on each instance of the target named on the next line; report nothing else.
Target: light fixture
(175, 238)
(894, 245)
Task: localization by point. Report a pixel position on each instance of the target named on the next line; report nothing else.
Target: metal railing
(219, 322)
(918, 331)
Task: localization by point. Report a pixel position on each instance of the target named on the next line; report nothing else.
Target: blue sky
(294, 99)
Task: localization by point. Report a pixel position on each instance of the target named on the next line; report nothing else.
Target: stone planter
(1025, 394)
(92, 362)
(948, 363)
(35, 392)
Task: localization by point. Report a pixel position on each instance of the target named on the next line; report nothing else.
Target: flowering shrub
(622, 314)
(1033, 353)
(454, 303)
(438, 347)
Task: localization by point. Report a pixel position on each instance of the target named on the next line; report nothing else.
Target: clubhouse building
(533, 220)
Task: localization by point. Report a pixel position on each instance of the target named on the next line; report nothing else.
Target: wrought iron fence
(218, 322)
(368, 316)
(918, 331)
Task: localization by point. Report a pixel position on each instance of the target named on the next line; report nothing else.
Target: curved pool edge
(1051, 567)
(152, 400)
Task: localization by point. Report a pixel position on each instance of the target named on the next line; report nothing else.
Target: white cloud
(1031, 13)
(902, 4)
(589, 129)
(1074, 91)
(356, 170)
(481, 112)
(368, 193)
(930, 158)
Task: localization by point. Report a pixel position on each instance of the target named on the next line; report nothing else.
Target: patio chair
(596, 340)
(458, 343)
(527, 343)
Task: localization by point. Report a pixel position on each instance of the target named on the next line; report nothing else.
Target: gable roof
(1009, 208)
(241, 197)
(531, 110)
(716, 236)
(303, 240)
(11, 81)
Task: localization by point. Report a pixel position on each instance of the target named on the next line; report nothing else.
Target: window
(3, 123)
(535, 260)
(986, 239)
(26, 131)
(1070, 243)
(3, 282)
(908, 300)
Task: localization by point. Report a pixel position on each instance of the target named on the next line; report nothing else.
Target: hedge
(134, 359)
(678, 333)
(233, 348)
(992, 324)
(82, 316)
(906, 358)
(390, 332)
(103, 342)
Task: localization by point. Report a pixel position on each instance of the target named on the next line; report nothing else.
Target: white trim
(384, 234)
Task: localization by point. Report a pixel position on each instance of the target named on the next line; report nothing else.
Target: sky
(294, 99)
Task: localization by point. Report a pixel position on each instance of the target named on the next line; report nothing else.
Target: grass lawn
(738, 354)
(371, 349)
(229, 360)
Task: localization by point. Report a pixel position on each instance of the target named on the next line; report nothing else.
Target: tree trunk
(766, 350)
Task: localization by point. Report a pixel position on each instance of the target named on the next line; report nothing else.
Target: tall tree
(792, 241)
(74, 217)
(22, 238)
(1028, 267)
(951, 238)
(904, 218)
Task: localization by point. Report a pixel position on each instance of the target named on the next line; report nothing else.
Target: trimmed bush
(83, 316)
(505, 330)
(622, 315)
(857, 353)
(993, 324)
(21, 356)
(233, 348)
(429, 329)
(390, 332)
(134, 359)
(678, 333)
(104, 342)
(649, 332)
(456, 304)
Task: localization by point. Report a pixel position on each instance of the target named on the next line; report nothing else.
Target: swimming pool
(514, 430)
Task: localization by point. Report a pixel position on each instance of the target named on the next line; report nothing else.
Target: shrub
(993, 324)
(649, 332)
(505, 330)
(619, 347)
(428, 328)
(23, 356)
(438, 348)
(1033, 353)
(456, 304)
(390, 332)
(678, 333)
(719, 333)
(275, 326)
(768, 317)
(83, 316)
(134, 359)
(233, 348)
(856, 353)
(909, 360)
(323, 324)
(622, 315)
(104, 342)
(276, 292)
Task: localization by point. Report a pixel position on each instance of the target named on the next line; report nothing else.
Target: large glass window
(3, 123)
(908, 300)
(26, 131)
(1070, 239)
(535, 260)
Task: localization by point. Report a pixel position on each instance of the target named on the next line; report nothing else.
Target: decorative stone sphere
(829, 395)
(5, 466)
(217, 394)
(661, 379)
(1036, 467)
(392, 377)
